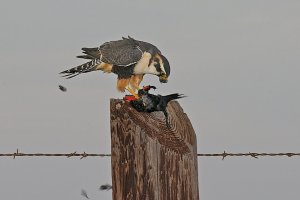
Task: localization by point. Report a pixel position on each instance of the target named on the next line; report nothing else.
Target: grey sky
(237, 61)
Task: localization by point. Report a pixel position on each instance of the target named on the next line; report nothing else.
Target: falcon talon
(131, 91)
(149, 102)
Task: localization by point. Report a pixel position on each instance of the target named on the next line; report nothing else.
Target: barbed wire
(67, 155)
(84, 154)
(251, 154)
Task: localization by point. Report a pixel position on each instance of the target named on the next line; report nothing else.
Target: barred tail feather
(84, 68)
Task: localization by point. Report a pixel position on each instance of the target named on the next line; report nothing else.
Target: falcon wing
(121, 52)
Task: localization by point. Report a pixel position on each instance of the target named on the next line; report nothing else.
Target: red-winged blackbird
(149, 102)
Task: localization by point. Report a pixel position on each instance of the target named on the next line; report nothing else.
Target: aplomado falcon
(130, 59)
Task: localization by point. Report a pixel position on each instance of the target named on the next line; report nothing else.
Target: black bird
(149, 102)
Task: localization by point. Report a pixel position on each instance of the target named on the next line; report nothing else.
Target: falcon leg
(132, 92)
(135, 81)
(137, 88)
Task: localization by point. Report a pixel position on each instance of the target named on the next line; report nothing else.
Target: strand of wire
(250, 154)
(84, 154)
(67, 155)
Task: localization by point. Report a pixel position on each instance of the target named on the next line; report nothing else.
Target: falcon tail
(84, 68)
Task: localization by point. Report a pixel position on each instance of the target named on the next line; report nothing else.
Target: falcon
(128, 58)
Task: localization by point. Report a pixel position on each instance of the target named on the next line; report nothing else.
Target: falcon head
(162, 67)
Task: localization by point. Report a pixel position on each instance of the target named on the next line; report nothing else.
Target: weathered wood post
(149, 160)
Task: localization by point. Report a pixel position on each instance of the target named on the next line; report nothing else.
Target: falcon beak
(163, 78)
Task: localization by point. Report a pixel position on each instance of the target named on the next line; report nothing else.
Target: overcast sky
(237, 61)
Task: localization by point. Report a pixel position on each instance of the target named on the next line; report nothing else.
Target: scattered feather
(83, 193)
(105, 187)
(62, 88)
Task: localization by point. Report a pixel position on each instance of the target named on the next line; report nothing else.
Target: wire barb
(84, 155)
(224, 155)
(71, 154)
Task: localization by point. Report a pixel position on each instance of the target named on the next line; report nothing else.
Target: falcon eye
(157, 67)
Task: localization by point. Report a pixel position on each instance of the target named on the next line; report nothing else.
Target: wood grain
(149, 160)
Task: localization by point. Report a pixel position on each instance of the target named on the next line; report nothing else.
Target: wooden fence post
(149, 160)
